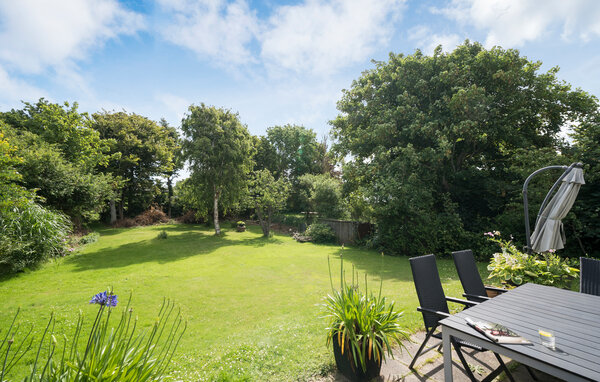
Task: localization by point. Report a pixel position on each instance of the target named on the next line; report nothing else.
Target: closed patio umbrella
(549, 232)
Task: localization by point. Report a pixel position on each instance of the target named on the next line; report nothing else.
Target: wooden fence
(347, 231)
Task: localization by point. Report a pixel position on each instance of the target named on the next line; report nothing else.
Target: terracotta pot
(345, 364)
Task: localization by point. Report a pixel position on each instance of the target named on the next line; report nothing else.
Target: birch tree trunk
(216, 212)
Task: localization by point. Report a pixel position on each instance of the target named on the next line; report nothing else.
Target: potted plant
(241, 226)
(362, 328)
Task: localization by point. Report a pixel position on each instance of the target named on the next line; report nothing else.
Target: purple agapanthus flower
(104, 298)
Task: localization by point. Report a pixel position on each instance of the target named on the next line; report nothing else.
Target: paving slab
(430, 366)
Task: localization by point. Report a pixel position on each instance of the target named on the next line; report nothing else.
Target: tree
(323, 194)
(140, 150)
(587, 205)
(429, 139)
(297, 150)
(267, 196)
(177, 161)
(219, 150)
(61, 156)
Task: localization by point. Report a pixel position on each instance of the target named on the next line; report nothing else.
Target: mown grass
(252, 304)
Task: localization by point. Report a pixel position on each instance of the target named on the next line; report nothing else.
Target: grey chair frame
(469, 276)
(434, 307)
(589, 276)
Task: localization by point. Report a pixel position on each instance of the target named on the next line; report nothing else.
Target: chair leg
(463, 361)
(503, 366)
(427, 337)
(531, 373)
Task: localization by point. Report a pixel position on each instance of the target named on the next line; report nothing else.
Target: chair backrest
(469, 274)
(429, 287)
(589, 276)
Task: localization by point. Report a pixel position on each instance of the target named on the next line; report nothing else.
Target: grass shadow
(174, 248)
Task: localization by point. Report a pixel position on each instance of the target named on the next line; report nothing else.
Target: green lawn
(252, 305)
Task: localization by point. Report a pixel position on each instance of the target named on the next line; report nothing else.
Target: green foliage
(30, 234)
(320, 233)
(267, 196)
(141, 150)
(587, 205)
(430, 140)
(241, 223)
(362, 323)
(65, 186)
(90, 238)
(514, 267)
(323, 194)
(218, 148)
(62, 126)
(162, 235)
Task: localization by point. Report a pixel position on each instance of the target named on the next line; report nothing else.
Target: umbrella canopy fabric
(549, 232)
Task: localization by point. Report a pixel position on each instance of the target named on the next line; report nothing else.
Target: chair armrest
(482, 298)
(436, 312)
(499, 290)
(464, 302)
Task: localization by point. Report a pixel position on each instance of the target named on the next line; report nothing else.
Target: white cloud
(321, 36)
(214, 29)
(177, 106)
(35, 34)
(427, 41)
(512, 23)
(13, 91)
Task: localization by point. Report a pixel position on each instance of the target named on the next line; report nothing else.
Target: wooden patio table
(573, 317)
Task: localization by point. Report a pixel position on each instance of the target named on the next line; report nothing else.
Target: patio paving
(430, 366)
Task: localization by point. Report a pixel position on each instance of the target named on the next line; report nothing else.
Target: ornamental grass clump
(365, 325)
(111, 353)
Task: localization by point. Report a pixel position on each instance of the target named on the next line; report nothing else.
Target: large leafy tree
(61, 156)
(219, 150)
(141, 150)
(429, 139)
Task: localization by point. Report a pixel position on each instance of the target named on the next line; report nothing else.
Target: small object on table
(547, 338)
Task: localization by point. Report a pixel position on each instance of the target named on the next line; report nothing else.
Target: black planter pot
(346, 366)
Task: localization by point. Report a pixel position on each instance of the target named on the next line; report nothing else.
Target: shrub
(152, 216)
(162, 235)
(320, 233)
(514, 267)
(89, 238)
(30, 234)
(191, 217)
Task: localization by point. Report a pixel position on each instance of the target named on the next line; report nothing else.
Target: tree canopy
(219, 150)
(431, 139)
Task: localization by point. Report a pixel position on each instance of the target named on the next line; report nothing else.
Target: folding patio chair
(434, 307)
(470, 277)
(589, 276)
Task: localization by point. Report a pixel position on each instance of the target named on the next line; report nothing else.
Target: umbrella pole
(526, 204)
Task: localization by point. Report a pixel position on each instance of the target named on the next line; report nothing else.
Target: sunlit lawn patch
(252, 304)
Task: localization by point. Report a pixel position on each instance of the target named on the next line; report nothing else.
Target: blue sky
(274, 62)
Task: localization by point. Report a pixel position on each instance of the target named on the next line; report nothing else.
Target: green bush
(321, 233)
(162, 235)
(91, 237)
(514, 267)
(30, 234)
